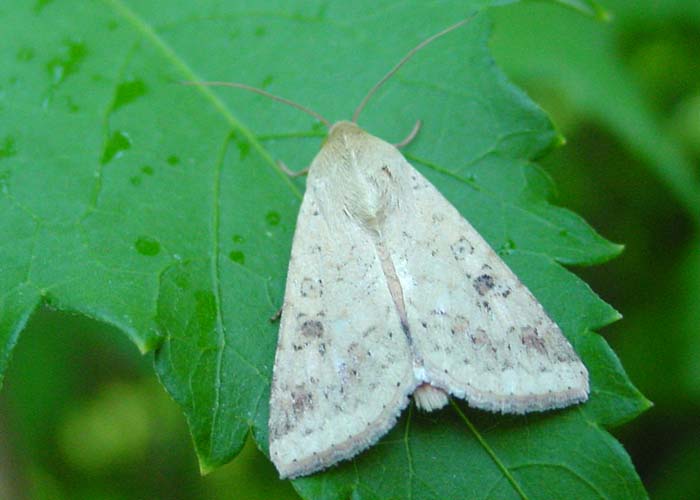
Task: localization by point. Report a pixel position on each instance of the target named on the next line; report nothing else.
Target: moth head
(342, 129)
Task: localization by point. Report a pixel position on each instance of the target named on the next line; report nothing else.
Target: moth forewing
(343, 369)
(477, 331)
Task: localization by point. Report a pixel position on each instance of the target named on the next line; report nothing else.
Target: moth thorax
(369, 198)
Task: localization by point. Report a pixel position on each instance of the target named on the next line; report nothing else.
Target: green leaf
(159, 208)
(590, 7)
(581, 62)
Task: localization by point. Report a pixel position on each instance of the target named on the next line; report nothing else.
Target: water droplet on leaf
(128, 92)
(118, 143)
(237, 256)
(7, 147)
(272, 218)
(73, 53)
(147, 246)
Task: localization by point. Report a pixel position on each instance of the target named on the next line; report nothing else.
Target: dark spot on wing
(311, 288)
(483, 284)
(302, 400)
(312, 328)
(461, 248)
(459, 326)
(369, 330)
(531, 339)
(406, 331)
(566, 355)
(479, 338)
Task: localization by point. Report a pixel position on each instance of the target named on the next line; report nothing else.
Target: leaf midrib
(491, 452)
(149, 34)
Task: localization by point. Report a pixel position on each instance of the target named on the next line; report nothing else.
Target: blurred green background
(82, 415)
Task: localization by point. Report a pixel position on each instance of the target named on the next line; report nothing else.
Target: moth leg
(412, 135)
(291, 173)
(276, 316)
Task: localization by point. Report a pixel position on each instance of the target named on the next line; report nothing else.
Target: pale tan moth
(391, 293)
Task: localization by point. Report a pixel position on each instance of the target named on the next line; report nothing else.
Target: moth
(391, 293)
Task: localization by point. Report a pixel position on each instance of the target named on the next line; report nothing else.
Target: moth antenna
(403, 61)
(262, 92)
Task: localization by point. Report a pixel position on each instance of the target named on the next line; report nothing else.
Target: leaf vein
(216, 281)
(504, 469)
(568, 469)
